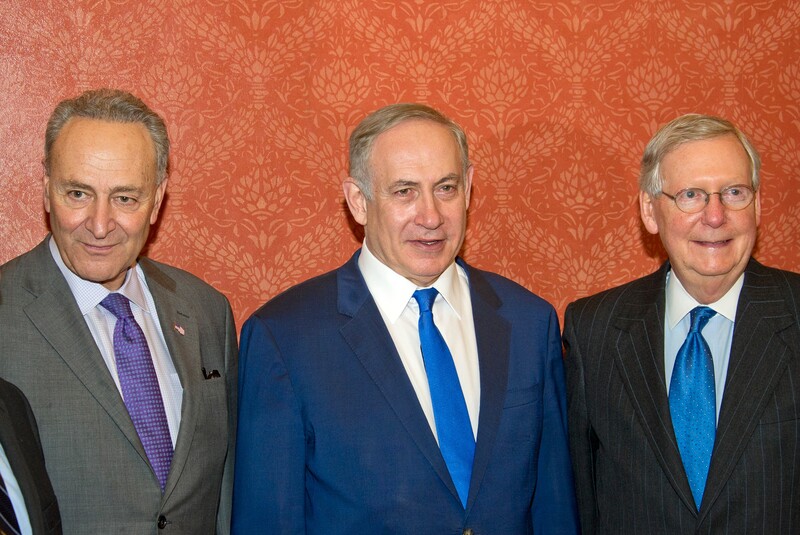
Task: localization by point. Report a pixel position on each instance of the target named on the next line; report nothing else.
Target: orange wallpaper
(558, 98)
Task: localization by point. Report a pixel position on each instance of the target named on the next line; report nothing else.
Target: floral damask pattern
(558, 99)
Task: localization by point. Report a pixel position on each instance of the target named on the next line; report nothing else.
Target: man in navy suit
(341, 426)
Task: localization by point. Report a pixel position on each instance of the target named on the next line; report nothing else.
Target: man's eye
(77, 195)
(733, 192)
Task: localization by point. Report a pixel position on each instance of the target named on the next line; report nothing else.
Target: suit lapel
(56, 315)
(760, 353)
(181, 335)
(639, 321)
(368, 337)
(29, 486)
(493, 335)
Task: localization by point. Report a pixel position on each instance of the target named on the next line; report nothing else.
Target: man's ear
(46, 192)
(468, 183)
(647, 212)
(356, 200)
(159, 198)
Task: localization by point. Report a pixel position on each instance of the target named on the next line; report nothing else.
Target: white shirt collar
(88, 294)
(392, 292)
(681, 303)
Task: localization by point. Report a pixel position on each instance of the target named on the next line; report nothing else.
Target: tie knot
(700, 317)
(117, 304)
(425, 298)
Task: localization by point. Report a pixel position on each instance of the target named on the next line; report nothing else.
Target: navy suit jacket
(332, 438)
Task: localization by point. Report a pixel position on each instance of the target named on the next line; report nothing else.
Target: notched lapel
(640, 357)
(368, 337)
(493, 336)
(761, 350)
(181, 333)
(57, 317)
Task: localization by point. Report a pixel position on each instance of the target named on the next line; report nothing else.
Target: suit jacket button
(467, 531)
(162, 522)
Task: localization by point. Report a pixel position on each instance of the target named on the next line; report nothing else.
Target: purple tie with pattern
(139, 383)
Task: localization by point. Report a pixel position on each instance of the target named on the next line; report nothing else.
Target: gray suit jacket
(628, 471)
(96, 461)
(20, 440)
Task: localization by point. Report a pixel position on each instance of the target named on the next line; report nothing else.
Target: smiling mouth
(719, 243)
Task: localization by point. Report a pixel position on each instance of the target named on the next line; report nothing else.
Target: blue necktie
(693, 403)
(453, 427)
(8, 520)
(139, 383)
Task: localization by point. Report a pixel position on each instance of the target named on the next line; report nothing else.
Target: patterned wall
(558, 98)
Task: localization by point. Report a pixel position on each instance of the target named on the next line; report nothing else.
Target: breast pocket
(522, 396)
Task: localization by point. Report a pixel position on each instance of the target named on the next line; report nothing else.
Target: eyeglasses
(693, 200)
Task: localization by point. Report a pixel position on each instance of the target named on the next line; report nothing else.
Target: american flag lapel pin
(179, 329)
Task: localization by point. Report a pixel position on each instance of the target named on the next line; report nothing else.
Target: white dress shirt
(718, 332)
(452, 312)
(101, 323)
(15, 494)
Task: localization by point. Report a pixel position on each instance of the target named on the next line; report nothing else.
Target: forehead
(416, 142)
(97, 143)
(721, 157)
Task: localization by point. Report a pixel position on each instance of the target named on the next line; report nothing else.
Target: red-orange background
(558, 99)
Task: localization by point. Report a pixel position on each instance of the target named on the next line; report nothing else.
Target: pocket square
(210, 375)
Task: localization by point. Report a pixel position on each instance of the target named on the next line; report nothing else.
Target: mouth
(98, 248)
(428, 244)
(712, 244)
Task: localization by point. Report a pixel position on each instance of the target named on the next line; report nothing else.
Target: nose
(429, 214)
(714, 213)
(100, 221)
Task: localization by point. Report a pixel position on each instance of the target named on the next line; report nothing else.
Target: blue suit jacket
(332, 438)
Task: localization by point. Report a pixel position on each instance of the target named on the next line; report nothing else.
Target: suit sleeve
(231, 376)
(269, 485)
(580, 432)
(554, 509)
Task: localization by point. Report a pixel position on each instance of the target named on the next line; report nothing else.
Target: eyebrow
(444, 179)
(67, 184)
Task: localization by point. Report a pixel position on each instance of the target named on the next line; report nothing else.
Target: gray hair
(690, 127)
(378, 122)
(110, 105)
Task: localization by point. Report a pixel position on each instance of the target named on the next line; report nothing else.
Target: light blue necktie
(693, 403)
(449, 408)
(139, 383)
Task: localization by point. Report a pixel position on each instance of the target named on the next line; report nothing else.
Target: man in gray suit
(129, 364)
(684, 386)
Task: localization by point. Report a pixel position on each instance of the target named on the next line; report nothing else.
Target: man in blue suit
(406, 391)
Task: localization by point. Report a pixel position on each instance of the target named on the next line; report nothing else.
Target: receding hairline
(143, 133)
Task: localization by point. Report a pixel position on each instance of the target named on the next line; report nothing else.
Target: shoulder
(759, 274)
(178, 281)
(502, 291)
(314, 296)
(642, 291)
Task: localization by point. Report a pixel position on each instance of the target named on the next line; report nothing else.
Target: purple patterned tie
(140, 391)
